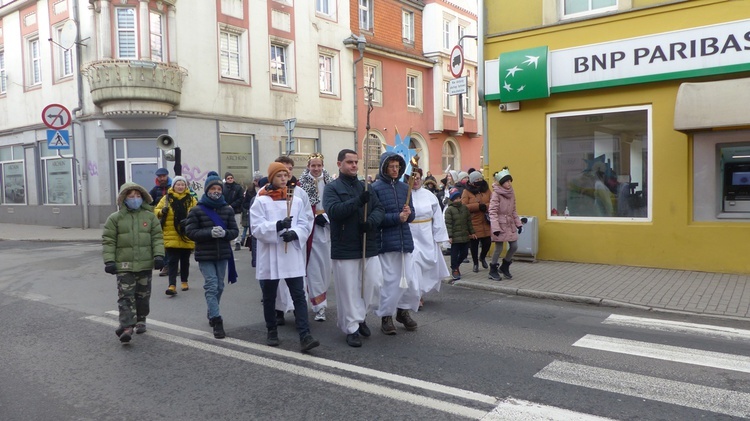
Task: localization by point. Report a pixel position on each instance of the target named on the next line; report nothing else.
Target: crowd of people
(381, 241)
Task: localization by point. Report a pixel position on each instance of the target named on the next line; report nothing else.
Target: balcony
(135, 87)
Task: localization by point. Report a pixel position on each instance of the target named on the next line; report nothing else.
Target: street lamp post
(360, 43)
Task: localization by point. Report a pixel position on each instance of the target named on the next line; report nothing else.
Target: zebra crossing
(689, 395)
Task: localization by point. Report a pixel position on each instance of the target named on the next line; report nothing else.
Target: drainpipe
(81, 164)
(360, 44)
(481, 29)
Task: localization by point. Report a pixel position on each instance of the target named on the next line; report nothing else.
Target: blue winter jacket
(394, 235)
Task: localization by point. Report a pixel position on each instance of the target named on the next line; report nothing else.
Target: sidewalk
(710, 294)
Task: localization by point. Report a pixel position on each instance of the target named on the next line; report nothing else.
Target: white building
(219, 77)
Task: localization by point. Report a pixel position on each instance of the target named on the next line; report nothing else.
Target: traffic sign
(457, 86)
(58, 139)
(457, 61)
(55, 116)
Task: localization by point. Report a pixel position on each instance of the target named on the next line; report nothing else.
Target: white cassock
(319, 262)
(274, 259)
(428, 231)
(283, 296)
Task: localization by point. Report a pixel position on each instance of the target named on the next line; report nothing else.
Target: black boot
(494, 274)
(475, 269)
(504, 269)
(484, 263)
(218, 328)
(273, 337)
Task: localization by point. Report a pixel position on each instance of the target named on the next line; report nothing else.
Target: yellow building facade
(637, 150)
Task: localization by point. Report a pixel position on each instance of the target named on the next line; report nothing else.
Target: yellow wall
(518, 139)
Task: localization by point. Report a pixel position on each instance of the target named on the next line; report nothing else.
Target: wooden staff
(289, 199)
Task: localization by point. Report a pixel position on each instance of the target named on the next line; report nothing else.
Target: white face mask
(133, 202)
(215, 195)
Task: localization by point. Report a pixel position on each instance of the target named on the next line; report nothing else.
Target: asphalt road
(475, 355)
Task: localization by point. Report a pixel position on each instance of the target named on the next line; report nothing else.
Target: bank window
(127, 47)
(57, 173)
(721, 175)
(373, 74)
(156, 36)
(12, 170)
(34, 60)
(575, 8)
(407, 26)
(600, 164)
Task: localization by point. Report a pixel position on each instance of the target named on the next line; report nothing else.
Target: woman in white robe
(428, 231)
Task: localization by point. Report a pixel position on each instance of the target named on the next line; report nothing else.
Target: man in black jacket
(345, 201)
(233, 195)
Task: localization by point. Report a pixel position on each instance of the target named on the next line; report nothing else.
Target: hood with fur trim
(133, 186)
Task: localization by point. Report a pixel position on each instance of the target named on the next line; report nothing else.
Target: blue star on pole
(401, 147)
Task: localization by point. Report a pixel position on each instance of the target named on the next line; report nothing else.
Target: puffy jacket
(158, 191)
(503, 216)
(346, 212)
(472, 197)
(233, 194)
(198, 229)
(172, 239)
(458, 222)
(132, 238)
(394, 235)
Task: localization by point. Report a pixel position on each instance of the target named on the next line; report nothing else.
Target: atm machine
(736, 187)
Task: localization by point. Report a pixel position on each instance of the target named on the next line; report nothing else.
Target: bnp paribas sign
(536, 72)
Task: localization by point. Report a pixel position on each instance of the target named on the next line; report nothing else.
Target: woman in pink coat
(504, 223)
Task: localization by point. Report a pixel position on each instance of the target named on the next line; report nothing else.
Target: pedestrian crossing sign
(58, 139)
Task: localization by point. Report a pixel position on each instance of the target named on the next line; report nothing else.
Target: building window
(721, 175)
(461, 32)
(407, 26)
(3, 83)
(127, 45)
(468, 99)
(64, 55)
(236, 156)
(600, 164)
(575, 8)
(446, 34)
(136, 161)
(14, 181)
(449, 155)
(58, 176)
(374, 80)
(365, 14)
(326, 73)
(326, 7)
(229, 54)
(156, 29)
(373, 151)
(413, 89)
(34, 61)
(447, 98)
(278, 65)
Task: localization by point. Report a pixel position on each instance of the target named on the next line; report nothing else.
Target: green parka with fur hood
(132, 238)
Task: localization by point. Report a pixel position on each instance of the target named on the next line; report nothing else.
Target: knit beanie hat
(503, 175)
(455, 194)
(210, 173)
(212, 180)
(274, 168)
(454, 175)
(475, 177)
(257, 176)
(462, 175)
(179, 178)
(228, 174)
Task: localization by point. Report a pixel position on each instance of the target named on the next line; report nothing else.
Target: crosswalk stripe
(666, 352)
(668, 391)
(678, 327)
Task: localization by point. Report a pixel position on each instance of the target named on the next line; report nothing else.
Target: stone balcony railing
(132, 87)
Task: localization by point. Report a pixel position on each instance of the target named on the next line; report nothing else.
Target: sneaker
(308, 342)
(237, 247)
(272, 339)
(364, 330)
(126, 335)
(171, 290)
(403, 317)
(353, 340)
(320, 316)
(456, 275)
(164, 272)
(387, 327)
(185, 286)
(140, 327)
(280, 318)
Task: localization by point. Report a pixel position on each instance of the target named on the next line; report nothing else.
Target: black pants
(269, 288)
(458, 254)
(175, 258)
(474, 247)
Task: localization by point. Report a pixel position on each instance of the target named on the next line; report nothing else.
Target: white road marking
(678, 327)
(28, 296)
(673, 392)
(509, 408)
(667, 353)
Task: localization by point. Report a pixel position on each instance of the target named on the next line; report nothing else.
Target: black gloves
(111, 268)
(289, 236)
(520, 229)
(320, 220)
(159, 262)
(496, 233)
(365, 227)
(364, 197)
(482, 207)
(284, 223)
